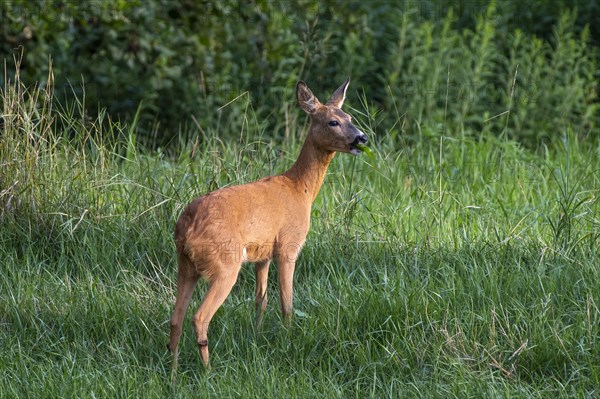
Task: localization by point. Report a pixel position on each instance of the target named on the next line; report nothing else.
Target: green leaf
(366, 150)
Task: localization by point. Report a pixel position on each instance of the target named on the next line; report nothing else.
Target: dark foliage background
(525, 69)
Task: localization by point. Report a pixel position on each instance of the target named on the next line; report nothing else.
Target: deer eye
(334, 123)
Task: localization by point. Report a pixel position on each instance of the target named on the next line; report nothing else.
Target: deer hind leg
(219, 288)
(186, 282)
(262, 272)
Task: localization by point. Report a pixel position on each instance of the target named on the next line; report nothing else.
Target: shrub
(180, 65)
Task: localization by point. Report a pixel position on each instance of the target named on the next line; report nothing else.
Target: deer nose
(362, 138)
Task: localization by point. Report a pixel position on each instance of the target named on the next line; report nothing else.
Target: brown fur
(257, 222)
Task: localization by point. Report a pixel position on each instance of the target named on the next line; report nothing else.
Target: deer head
(331, 129)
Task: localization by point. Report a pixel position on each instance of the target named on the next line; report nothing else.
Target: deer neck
(308, 172)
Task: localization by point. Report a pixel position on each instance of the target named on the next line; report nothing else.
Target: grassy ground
(444, 267)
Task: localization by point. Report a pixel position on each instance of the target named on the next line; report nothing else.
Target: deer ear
(338, 96)
(307, 100)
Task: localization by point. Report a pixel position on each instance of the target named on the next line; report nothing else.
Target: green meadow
(460, 260)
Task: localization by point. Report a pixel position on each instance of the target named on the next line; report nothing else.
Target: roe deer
(256, 222)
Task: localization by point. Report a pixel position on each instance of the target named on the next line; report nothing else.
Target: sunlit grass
(447, 267)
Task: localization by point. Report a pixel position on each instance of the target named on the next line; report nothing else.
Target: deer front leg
(286, 282)
(262, 272)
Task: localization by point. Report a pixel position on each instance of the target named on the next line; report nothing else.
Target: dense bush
(526, 72)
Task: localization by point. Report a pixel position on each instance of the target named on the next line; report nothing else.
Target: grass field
(452, 264)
